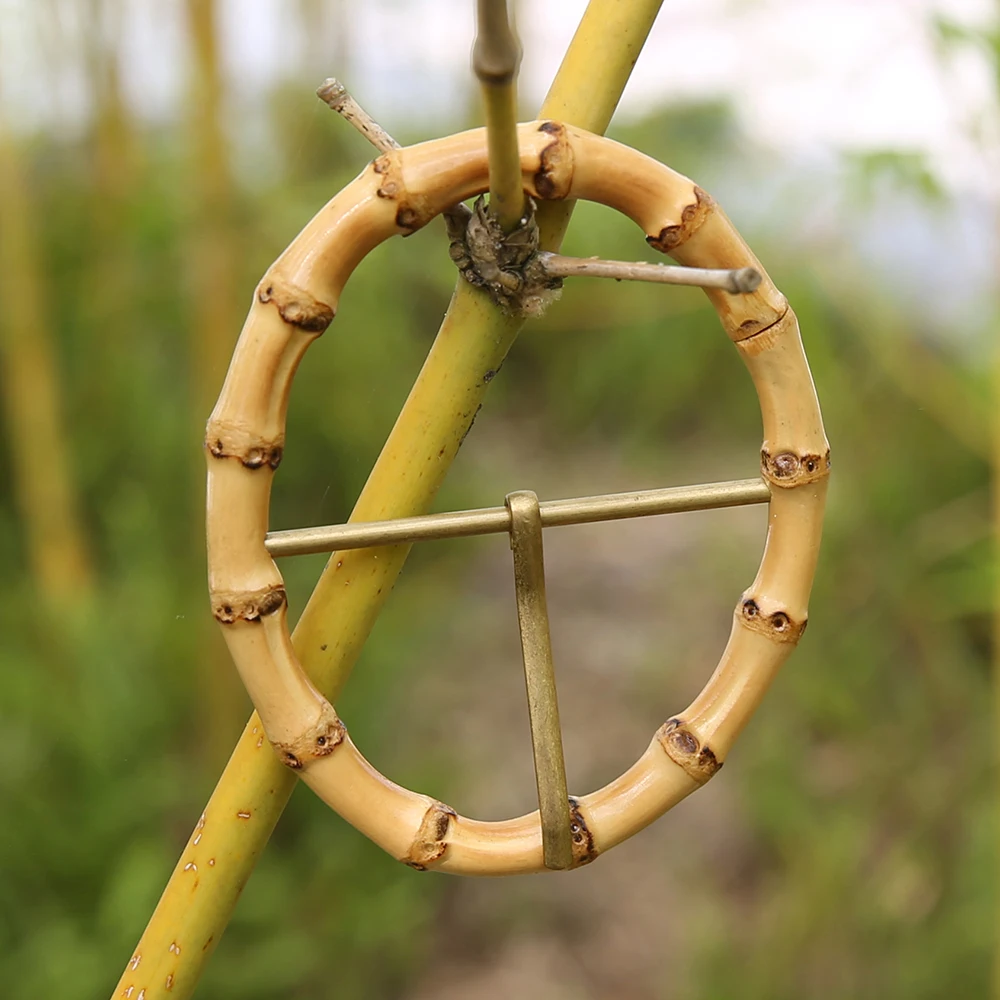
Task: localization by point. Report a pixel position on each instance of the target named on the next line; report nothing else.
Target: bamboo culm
(296, 301)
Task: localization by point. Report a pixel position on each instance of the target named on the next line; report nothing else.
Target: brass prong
(539, 678)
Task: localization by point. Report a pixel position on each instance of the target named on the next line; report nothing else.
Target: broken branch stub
(507, 265)
(399, 193)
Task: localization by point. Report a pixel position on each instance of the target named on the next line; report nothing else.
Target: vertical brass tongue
(539, 678)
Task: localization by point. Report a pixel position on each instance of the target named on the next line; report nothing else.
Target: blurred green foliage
(870, 806)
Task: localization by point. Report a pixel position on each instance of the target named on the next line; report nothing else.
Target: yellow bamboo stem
(495, 58)
(473, 340)
(43, 482)
(296, 301)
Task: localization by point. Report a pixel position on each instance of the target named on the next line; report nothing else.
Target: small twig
(739, 281)
(495, 58)
(335, 94)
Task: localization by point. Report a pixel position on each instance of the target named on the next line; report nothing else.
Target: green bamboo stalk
(471, 345)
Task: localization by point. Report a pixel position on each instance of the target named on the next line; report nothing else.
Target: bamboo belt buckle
(399, 192)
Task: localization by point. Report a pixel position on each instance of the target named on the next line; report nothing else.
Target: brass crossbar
(497, 520)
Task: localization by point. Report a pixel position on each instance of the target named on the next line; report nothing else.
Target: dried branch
(333, 93)
(741, 281)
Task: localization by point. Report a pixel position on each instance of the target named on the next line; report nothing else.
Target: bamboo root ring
(297, 299)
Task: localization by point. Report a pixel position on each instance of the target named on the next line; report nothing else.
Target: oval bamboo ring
(398, 193)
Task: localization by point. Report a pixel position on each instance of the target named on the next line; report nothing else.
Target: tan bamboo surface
(219, 856)
(296, 301)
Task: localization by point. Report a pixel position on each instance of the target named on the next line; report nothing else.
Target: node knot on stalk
(506, 265)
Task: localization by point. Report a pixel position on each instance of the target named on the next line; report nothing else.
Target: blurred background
(156, 157)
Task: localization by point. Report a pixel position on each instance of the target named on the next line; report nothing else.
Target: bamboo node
(692, 216)
(754, 336)
(295, 305)
(430, 843)
(496, 53)
(410, 215)
(505, 265)
(319, 740)
(687, 751)
(777, 624)
(229, 608)
(554, 176)
(584, 850)
(788, 469)
(226, 441)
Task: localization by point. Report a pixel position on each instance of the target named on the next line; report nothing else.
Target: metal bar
(493, 520)
(738, 281)
(539, 679)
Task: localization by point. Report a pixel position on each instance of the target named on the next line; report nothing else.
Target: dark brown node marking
(271, 602)
(391, 188)
(788, 469)
(261, 456)
(408, 218)
(230, 608)
(778, 624)
(296, 306)
(319, 740)
(583, 840)
(430, 841)
(685, 750)
(555, 164)
(692, 216)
